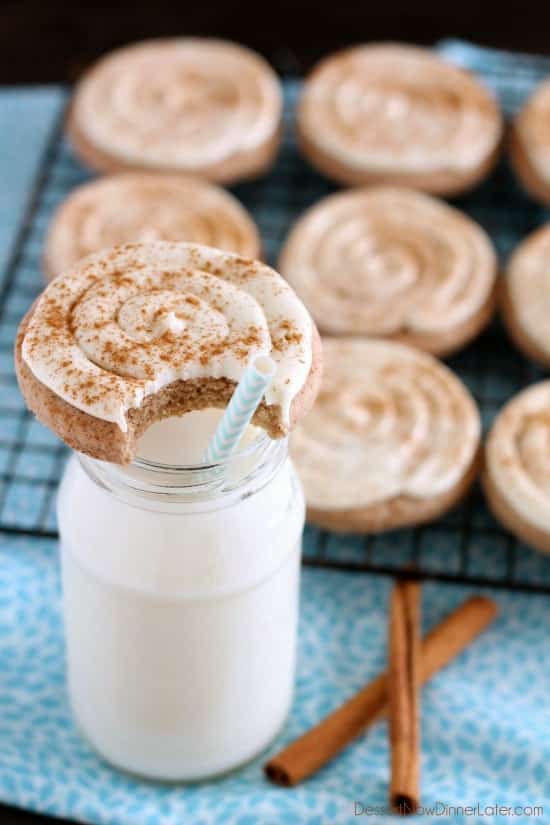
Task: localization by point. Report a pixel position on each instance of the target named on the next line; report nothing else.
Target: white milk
(181, 601)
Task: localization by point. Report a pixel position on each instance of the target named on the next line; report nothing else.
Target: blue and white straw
(248, 393)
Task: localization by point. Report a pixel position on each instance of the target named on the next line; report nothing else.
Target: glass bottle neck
(244, 473)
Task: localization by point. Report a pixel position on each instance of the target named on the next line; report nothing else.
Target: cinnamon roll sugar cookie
(525, 296)
(141, 207)
(390, 113)
(202, 106)
(529, 144)
(393, 263)
(516, 478)
(147, 331)
(392, 441)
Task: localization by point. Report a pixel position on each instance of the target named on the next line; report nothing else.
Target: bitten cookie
(205, 107)
(140, 207)
(393, 263)
(147, 331)
(390, 113)
(529, 144)
(516, 477)
(392, 441)
(525, 296)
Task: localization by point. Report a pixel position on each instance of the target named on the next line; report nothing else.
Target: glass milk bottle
(180, 590)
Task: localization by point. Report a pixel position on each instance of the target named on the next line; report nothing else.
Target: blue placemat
(26, 119)
(485, 719)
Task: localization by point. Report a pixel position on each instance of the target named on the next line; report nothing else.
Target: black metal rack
(465, 546)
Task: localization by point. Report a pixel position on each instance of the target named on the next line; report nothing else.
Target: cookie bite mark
(146, 331)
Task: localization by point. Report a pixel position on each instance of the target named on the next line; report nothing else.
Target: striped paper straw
(248, 393)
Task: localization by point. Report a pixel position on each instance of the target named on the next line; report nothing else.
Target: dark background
(54, 40)
(44, 41)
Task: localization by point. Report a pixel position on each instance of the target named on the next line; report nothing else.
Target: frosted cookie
(390, 113)
(206, 107)
(392, 441)
(146, 331)
(529, 145)
(140, 207)
(525, 296)
(516, 478)
(393, 263)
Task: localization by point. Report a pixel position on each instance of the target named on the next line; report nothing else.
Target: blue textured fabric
(485, 720)
(26, 119)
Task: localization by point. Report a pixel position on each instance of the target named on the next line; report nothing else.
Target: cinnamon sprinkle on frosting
(123, 324)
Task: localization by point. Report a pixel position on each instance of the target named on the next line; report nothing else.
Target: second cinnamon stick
(404, 696)
(316, 747)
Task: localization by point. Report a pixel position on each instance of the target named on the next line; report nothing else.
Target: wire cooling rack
(465, 546)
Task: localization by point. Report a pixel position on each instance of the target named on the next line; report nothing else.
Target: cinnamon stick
(316, 747)
(404, 696)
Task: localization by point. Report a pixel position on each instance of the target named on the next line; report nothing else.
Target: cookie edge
(509, 518)
(105, 441)
(50, 271)
(241, 166)
(399, 512)
(531, 183)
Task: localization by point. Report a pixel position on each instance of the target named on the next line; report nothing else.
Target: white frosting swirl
(518, 455)
(143, 207)
(383, 261)
(390, 421)
(533, 126)
(528, 283)
(393, 108)
(178, 104)
(124, 324)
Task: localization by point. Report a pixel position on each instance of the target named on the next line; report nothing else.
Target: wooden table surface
(54, 40)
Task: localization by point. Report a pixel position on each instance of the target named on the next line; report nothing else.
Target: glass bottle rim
(260, 442)
(144, 479)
